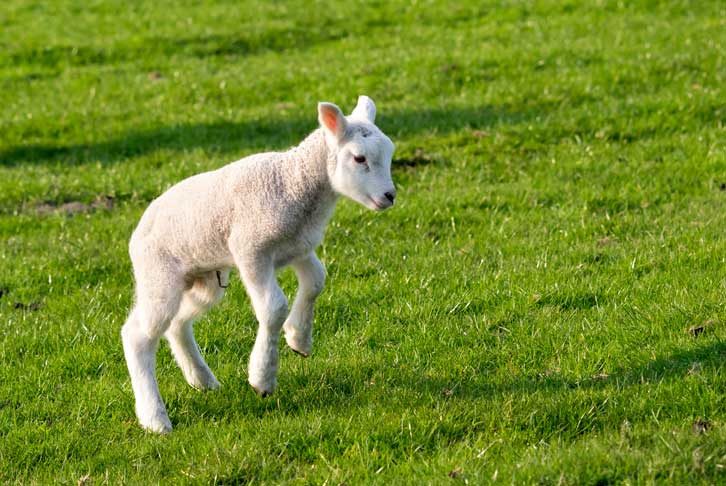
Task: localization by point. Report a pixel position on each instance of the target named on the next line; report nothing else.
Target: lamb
(258, 214)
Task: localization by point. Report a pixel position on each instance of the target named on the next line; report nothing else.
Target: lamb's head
(363, 154)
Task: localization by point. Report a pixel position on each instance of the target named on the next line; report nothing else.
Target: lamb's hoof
(304, 349)
(300, 353)
(157, 425)
(261, 393)
(205, 382)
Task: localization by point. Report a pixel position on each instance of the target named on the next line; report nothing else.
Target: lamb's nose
(390, 196)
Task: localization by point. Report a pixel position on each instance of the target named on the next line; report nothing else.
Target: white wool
(258, 214)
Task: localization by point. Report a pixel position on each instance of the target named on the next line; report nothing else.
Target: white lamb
(259, 214)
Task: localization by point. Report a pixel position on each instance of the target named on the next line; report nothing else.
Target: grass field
(545, 304)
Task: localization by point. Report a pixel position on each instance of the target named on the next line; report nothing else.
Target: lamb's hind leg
(203, 294)
(155, 306)
(298, 326)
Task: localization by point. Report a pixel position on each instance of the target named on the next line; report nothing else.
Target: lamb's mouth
(378, 206)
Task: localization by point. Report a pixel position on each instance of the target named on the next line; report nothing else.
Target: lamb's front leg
(270, 306)
(299, 324)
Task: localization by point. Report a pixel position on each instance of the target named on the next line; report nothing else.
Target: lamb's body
(258, 214)
(273, 205)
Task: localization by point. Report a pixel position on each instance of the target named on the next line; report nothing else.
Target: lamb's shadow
(346, 391)
(237, 137)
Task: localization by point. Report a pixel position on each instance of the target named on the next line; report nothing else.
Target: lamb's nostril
(390, 196)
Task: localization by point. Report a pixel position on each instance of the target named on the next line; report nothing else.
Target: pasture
(546, 303)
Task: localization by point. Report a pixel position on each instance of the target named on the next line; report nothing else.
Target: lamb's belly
(201, 266)
(203, 256)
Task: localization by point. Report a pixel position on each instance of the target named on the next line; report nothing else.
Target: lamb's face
(363, 171)
(363, 161)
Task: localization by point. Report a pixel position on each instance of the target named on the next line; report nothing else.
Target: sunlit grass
(545, 303)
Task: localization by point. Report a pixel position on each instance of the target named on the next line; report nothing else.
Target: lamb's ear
(365, 109)
(332, 119)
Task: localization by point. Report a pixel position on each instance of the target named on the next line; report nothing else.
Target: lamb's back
(192, 220)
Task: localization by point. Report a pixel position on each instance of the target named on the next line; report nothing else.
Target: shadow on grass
(339, 388)
(245, 43)
(229, 137)
(674, 366)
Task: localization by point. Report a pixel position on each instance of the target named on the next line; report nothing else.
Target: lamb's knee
(128, 334)
(318, 281)
(157, 302)
(314, 280)
(137, 340)
(276, 309)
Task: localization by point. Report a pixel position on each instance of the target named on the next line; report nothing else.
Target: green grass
(520, 316)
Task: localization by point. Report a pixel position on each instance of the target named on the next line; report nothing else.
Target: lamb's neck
(308, 165)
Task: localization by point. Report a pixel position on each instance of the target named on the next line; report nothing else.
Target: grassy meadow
(545, 304)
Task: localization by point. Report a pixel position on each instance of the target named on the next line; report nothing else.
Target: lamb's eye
(361, 159)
